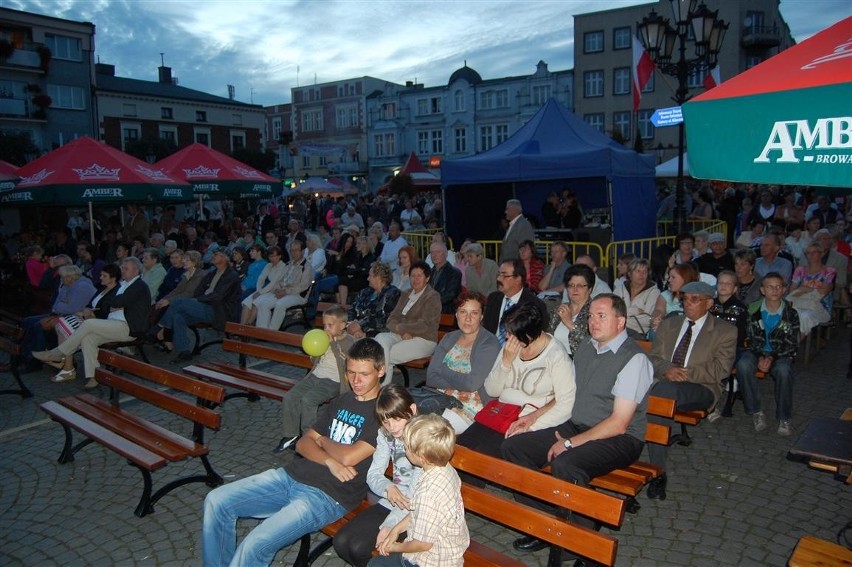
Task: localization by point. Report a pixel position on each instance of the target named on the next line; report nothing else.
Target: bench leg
(683, 437)
(146, 503)
(404, 371)
(68, 451)
(732, 397)
(318, 550)
(304, 551)
(631, 505)
(22, 390)
(145, 506)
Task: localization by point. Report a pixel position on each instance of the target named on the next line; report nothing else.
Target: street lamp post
(659, 39)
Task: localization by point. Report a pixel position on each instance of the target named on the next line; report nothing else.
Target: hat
(700, 288)
(716, 237)
(224, 251)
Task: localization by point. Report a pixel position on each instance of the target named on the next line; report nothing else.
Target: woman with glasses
(463, 358)
(641, 296)
(570, 322)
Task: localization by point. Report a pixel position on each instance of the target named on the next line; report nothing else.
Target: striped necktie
(501, 328)
(679, 356)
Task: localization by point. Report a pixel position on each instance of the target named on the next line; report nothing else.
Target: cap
(700, 288)
(716, 237)
(224, 251)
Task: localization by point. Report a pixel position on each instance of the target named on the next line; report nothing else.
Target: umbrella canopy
(784, 121)
(669, 168)
(344, 186)
(316, 185)
(8, 176)
(420, 176)
(87, 171)
(216, 175)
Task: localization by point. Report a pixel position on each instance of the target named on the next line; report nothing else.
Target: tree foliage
(158, 147)
(401, 184)
(260, 160)
(14, 147)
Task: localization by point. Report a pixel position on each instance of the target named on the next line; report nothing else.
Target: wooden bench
(446, 324)
(501, 508)
(251, 383)
(812, 551)
(11, 334)
(146, 445)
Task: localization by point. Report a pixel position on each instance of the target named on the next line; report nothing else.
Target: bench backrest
(195, 412)
(505, 510)
(237, 342)
(662, 407)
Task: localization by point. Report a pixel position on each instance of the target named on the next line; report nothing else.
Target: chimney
(409, 84)
(105, 69)
(165, 74)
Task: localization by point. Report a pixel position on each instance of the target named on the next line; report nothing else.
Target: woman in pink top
(35, 265)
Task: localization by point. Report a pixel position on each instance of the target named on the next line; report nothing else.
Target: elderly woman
(481, 272)
(98, 308)
(192, 276)
(533, 371)
(463, 358)
(269, 278)
(315, 254)
(257, 255)
(748, 284)
(554, 275)
(369, 312)
(814, 307)
(533, 264)
(669, 301)
(354, 269)
(407, 256)
(570, 322)
(640, 295)
(413, 324)
(684, 250)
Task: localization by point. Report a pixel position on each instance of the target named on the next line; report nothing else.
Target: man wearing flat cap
(692, 354)
(718, 258)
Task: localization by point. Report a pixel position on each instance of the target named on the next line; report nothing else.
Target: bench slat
(267, 352)
(813, 551)
(479, 555)
(169, 402)
(230, 381)
(261, 334)
(133, 428)
(267, 378)
(127, 449)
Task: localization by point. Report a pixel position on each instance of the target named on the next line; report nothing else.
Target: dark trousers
(481, 439)
(689, 396)
(578, 464)
(355, 541)
(34, 338)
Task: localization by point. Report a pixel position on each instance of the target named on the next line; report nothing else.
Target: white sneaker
(759, 421)
(784, 428)
(717, 413)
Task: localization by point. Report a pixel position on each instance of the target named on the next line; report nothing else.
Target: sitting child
(325, 380)
(436, 527)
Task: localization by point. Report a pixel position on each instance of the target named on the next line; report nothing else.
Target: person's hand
(564, 313)
(676, 374)
(341, 472)
(255, 295)
(354, 328)
(557, 448)
(279, 293)
(520, 425)
(162, 303)
(764, 363)
(397, 498)
(382, 536)
(407, 336)
(386, 547)
(511, 350)
(655, 322)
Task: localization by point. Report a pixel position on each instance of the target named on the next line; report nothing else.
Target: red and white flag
(712, 79)
(643, 68)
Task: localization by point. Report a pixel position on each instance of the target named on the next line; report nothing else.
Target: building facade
(46, 78)
(132, 109)
(278, 133)
(603, 63)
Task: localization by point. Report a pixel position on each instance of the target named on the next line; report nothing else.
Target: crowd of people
(554, 343)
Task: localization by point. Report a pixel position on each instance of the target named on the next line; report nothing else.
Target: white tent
(669, 168)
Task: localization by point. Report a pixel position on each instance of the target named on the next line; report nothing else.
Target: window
(649, 86)
(388, 111)
(238, 141)
(502, 98)
(596, 121)
(169, 134)
(621, 38)
(306, 162)
(696, 78)
(540, 94)
(126, 109)
(753, 60)
(202, 136)
(347, 117)
(593, 42)
(166, 113)
(277, 134)
(643, 120)
(237, 119)
(130, 134)
(487, 100)
(485, 138)
(201, 116)
(593, 83)
(501, 133)
(429, 106)
(70, 98)
(62, 47)
(460, 136)
(621, 81)
(384, 144)
(458, 100)
(312, 120)
(430, 142)
(435, 105)
(754, 22)
(323, 161)
(621, 124)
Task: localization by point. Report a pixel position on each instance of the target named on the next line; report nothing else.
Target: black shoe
(182, 358)
(286, 443)
(529, 543)
(657, 488)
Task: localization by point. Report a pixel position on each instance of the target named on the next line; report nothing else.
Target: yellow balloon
(315, 342)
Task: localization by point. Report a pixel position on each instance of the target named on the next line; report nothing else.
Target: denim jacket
(784, 339)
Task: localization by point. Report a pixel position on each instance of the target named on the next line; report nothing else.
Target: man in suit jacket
(519, 230)
(692, 354)
(511, 291)
(445, 278)
(130, 311)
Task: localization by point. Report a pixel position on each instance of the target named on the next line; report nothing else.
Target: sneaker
(784, 428)
(717, 413)
(285, 443)
(759, 421)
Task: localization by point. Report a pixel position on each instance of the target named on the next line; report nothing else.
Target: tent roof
(669, 168)
(198, 162)
(553, 144)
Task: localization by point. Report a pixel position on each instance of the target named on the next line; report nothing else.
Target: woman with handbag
(462, 361)
(640, 294)
(811, 289)
(532, 383)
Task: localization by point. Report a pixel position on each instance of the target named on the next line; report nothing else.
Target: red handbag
(498, 415)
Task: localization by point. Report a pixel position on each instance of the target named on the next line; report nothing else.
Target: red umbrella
(8, 175)
(420, 176)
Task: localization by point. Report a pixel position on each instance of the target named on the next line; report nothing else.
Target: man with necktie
(510, 292)
(692, 354)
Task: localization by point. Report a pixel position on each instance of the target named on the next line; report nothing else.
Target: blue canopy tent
(554, 150)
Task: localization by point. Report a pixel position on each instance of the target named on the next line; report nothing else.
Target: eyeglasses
(502, 275)
(577, 285)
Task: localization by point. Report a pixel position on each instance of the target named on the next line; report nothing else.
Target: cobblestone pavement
(733, 497)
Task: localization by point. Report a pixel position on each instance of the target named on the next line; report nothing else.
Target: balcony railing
(760, 36)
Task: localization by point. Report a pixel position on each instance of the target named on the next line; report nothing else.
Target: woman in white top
(641, 295)
(406, 257)
(272, 273)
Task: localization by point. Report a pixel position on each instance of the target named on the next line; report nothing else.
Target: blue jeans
(34, 338)
(183, 312)
(289, 510)
(781, 370)
(392, 560)
(327, 284)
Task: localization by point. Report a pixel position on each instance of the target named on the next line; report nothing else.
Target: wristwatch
(567, 444)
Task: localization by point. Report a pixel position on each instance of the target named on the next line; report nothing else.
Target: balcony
(346, 167)
(13, 107)
(760, 36)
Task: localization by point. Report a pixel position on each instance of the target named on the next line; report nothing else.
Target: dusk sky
(266, 48)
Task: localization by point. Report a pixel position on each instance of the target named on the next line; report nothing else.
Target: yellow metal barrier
(491, 248)
(644, 247)
(422, 239)
(667, 228)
